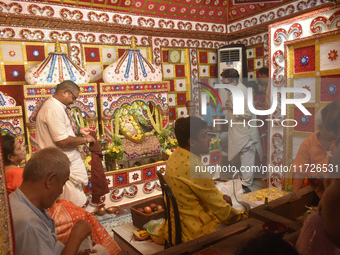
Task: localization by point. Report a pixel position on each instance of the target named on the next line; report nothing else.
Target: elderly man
(43, 179)
(202, 207)
(241, 136)
(192, 110)
(56, 128)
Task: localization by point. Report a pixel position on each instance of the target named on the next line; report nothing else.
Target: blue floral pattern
(304, 119)
(15, 73)
(149, 173)
(332, 89)
(32, 91)
(304, 60)
(36, 53)
(120, 179)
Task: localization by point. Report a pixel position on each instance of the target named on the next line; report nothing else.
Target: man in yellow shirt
(202, 207)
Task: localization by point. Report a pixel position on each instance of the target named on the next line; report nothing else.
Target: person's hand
(90, 138)
(227, 199)
(81, 229)
(228, 105)
(223, 108)
(85, 131)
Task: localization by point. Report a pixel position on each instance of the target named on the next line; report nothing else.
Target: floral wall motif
(273, 14)
(288, 57)
(67, 13)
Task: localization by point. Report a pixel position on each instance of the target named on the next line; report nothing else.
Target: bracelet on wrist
(78, 130)
(86, 140)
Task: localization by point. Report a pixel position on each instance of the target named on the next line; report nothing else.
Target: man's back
(200, 203)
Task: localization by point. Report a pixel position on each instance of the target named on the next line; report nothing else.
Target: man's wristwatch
(85, 140)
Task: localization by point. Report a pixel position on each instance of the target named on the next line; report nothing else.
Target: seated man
(192, 110)
(43, 179)
(315, 150)
(202, 207)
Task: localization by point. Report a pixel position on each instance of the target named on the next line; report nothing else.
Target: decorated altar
(134, 107)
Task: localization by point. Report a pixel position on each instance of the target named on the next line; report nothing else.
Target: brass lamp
(103, 142)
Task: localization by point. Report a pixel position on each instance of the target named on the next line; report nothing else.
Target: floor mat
(121, 217)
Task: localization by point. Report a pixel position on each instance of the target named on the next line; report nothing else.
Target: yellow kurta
(201, 205)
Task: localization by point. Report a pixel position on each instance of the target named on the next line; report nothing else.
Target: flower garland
(155, 126)
(117, 123)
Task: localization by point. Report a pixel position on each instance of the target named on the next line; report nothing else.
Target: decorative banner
(255, 1)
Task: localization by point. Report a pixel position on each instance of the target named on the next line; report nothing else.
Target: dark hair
(231, 74)
(187, 103)
(264, 70)
(8, 142)
(67, 84)
(268, 244)
(45, 162)
(331, 116)
(186, 128)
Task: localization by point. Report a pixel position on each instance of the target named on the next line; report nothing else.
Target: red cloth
(66, 214)
(13, 179)
(99, 183)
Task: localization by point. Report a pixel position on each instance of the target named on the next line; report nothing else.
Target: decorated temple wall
(310, 37)
(257, 53)
(271, 15)
(198, 58)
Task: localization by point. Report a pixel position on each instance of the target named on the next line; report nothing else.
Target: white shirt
(238, 134)
(53, 125)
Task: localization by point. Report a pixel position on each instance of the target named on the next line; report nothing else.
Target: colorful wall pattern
(309, 43)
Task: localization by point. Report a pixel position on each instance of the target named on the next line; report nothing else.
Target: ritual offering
(150, 209)
(259, 197)
(140, 235)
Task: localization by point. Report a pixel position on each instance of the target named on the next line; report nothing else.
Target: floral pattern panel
(312, 65)
(98, 57)
(255, 60)
(179, 77)
(17, 57)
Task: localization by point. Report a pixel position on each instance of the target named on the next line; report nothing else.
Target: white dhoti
(73, 189)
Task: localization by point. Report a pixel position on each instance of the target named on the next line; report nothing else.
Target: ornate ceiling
(193, 19)
(215, 11)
